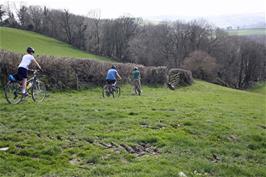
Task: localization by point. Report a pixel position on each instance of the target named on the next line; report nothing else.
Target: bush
(202, 65)
(63, 73)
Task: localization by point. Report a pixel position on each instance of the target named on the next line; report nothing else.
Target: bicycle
(111, 90)
(35, 88)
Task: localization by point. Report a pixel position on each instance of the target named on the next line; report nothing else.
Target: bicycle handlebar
(35, 70)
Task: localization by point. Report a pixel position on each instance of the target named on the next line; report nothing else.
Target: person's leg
(22, 75)
(139, 84)
(24, 82)
(113, 85)
(135, 86)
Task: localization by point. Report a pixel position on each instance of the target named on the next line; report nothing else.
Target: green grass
(259, 88)
(16, 40)
(201, 130)
(248, 32)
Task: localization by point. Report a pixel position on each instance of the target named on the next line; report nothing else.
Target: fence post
(3, 75)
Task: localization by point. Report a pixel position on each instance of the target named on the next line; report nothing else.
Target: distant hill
(248, 32)
(17, 40)
(253, 20)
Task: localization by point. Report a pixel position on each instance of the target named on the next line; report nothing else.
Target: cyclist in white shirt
(23, 67)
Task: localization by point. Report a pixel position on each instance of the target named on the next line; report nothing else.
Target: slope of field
(248, 32)
(18, 40)
(201, 130)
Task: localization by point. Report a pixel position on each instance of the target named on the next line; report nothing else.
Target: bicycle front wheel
(13, 93)
(38, 91)
(105, 91)
(116, 92)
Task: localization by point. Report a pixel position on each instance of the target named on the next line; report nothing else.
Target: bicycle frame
(33, 84)
(32, 79)
(111, 89)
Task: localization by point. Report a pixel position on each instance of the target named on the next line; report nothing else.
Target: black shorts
(21, 74)
(110, 81)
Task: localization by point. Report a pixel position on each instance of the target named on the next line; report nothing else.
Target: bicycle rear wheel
(13, 93)
(38, 91)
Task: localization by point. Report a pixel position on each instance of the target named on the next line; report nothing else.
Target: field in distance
(248, 32)
(16, 40)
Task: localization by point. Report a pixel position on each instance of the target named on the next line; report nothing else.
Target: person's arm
(132, 76)
(37, 64)
(119, 77)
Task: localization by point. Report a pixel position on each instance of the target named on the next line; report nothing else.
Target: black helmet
(113, 67)
(30, 50)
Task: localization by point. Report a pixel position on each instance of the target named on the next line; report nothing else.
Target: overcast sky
(149, 8)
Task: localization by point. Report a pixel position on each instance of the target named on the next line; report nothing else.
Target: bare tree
(36, 14)
(66, 24)
(252, 58)
(24, 17)
(54, 24)
(2, 12)
(78, 31)
(180, 37)
(199, 34)
(46, 24)
(11, 19)
(117, 35)
(95, 18)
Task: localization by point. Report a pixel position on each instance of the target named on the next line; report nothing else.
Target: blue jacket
(111, 74)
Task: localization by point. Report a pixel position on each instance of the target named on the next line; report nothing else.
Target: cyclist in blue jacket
(112, 76)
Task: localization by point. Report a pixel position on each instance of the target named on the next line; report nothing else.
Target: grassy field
(201, 130)
(18, 40)
(248, 32)
(259, 88)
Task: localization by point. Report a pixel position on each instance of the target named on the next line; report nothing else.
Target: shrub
(73, 73)
(63, 73)
(202, 65)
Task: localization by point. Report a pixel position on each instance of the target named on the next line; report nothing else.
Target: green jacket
(135, 74)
